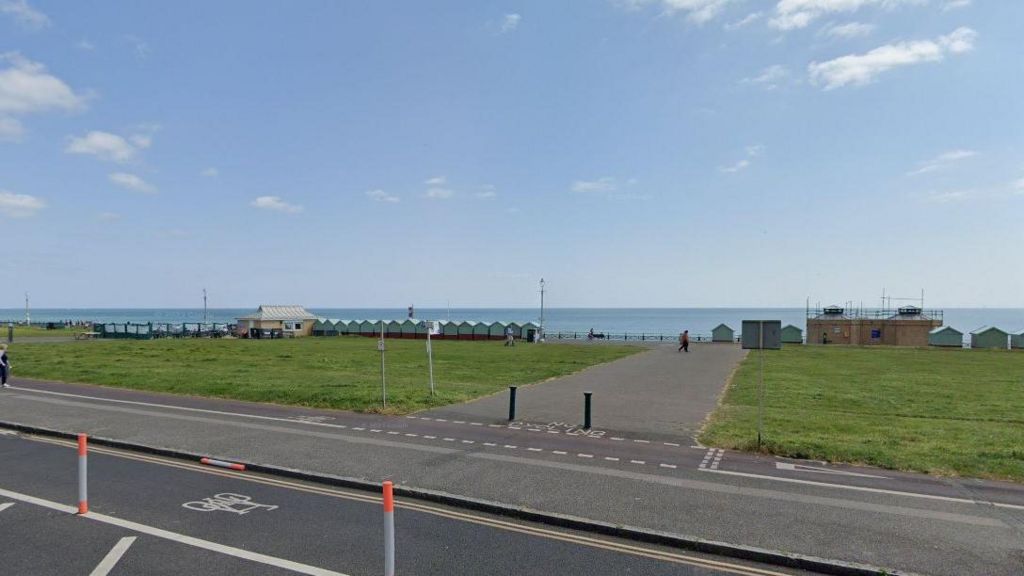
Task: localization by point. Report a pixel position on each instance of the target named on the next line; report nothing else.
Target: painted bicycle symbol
(227, 502)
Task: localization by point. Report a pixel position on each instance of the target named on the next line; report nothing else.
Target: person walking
(509, 337)
(684, 341)
(5, 366)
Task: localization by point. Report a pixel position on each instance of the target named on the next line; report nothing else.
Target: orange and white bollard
(389, 530)
(221, 464)
(83, 467)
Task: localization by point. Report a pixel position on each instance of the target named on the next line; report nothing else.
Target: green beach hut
(989, 337)
(792, 335)
(409, 328)
(450, 330)
(466, 330)
(343, 327)
(393, 329)
(496, 331)
(517, 329)
(368, 328)
(481, 330)
(1017, 340)
(722, 333)
(946, 336)
(529, 331)
(320, 327)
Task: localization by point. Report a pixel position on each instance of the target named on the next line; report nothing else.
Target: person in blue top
(5, 366)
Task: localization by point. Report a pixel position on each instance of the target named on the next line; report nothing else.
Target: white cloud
(941, 161)
(861, 69)
(1019, 186)
(275, 203)
(26, 88)
(487, 191)
(19, 205)
(754, 150)
(697, 11)
(85, 45)
(132, 182)
(737, 167)
(10, 129)
(510, 22)
(440, 193)
(769, 78)
(382, 196)
(848, 30)
(107, 146)
(954, 4)
(436, 181)
(793, 14)
(141, 46)
(26, 16)
(743, 22)
(605, 184)
(108, 216)
(210, 172)
(951, 196)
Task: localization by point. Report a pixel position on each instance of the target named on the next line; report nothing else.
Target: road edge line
(634, 533)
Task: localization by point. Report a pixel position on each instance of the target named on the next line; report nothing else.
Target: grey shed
(722, 333)
(946, 336)
(792, 335)
(989, 337)
(1017, 340)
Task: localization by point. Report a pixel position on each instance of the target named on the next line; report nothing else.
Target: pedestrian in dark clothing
(684, 341)
(5, 366)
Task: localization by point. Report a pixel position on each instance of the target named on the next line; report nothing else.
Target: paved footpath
(907, 522)
(660, 392)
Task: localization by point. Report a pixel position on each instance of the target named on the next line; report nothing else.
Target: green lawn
(956, 412)
(24, 331)
(341, 372)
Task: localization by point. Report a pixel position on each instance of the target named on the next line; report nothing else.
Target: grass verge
(947, 412)
(341, 372)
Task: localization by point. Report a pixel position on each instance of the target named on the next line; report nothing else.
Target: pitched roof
(942, 329)
(721, 326)
(984, 329)
(280, 313)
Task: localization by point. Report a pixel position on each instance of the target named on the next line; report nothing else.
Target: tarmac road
(150, 515)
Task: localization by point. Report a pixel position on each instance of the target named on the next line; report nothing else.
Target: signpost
(383, 382)
(431, 327)
(761, 335)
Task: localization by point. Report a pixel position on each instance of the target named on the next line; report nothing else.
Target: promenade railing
(622, 336)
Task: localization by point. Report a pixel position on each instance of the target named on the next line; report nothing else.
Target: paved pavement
(660, 392)
(654, 481)
(151, 515)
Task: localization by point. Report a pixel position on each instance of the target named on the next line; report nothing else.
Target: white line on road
(360, 429)
(617, 438)
(510, 446)
(673, 466)
(448, 439)
(476, 423)
(535, 449)
(430, 437)
(5, 506)
(112, 557)
(467, 441)
(670, 444)
(585, 455)
(489, 444)
(495, 426)
(611, 459)
(373, 430)
(392, 432)
(642, 441)
(175, 537)
(411, 435)
(458, 421)
(637, 462)
(559, 452)
(440, 420)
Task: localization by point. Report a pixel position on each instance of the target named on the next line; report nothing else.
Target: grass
(342, 372)
(25, 331)
(946, 412)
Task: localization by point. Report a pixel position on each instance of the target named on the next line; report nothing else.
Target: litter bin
(531, 335)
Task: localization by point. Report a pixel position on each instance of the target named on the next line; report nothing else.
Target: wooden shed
(320, 327)
(496, 331)
(1017, 340)
(792, 335)
(722, 333)
(368, 328)
(481, 331)
(989, 337)
(517, 329)
(466, 330)
(530, 331)
(450, 330)
(393, 329)
(345, 327)
(946, 336)
(409, 328)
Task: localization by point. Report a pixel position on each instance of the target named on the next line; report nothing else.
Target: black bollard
(511, 403)
(10, 332)
(586, 410)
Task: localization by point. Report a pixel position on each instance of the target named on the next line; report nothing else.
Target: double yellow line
(598, 543)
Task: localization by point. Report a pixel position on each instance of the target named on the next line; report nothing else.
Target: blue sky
(633, 153)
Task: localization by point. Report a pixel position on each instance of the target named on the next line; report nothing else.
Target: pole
(204, 305)
(383, 382)
(10, 332)
(430, 358)
(540, 329)
(28, 316)
(389, 530)
(760, 389)
(83, 466)
(586, 410)
(511, 403)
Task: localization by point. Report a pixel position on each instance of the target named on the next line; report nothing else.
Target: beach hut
(331, 327)
(393, 329)
(449, 330)
(946, 336)
(496, 331)
(481, 330)
(530, 331)
(989, 337)
(409, 328)
(792, 335)
(466, 330)
(320, 327)
(517, 329)
(369, 328)
(342, 327)
(1017, 340)
(722, 333)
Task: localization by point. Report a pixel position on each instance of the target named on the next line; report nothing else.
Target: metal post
(511, 403)
(586, 410)
(383, 381)
(83, 494)
(10, 332)
(540, 335)
(760, 389)
(430, 360)
(389, 530)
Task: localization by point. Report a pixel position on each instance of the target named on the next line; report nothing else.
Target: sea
(666, 321)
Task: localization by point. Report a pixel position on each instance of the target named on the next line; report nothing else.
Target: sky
(632, 153)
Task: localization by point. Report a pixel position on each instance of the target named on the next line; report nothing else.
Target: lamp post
(540, 337)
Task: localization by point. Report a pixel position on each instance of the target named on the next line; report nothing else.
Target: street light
(540, 336)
